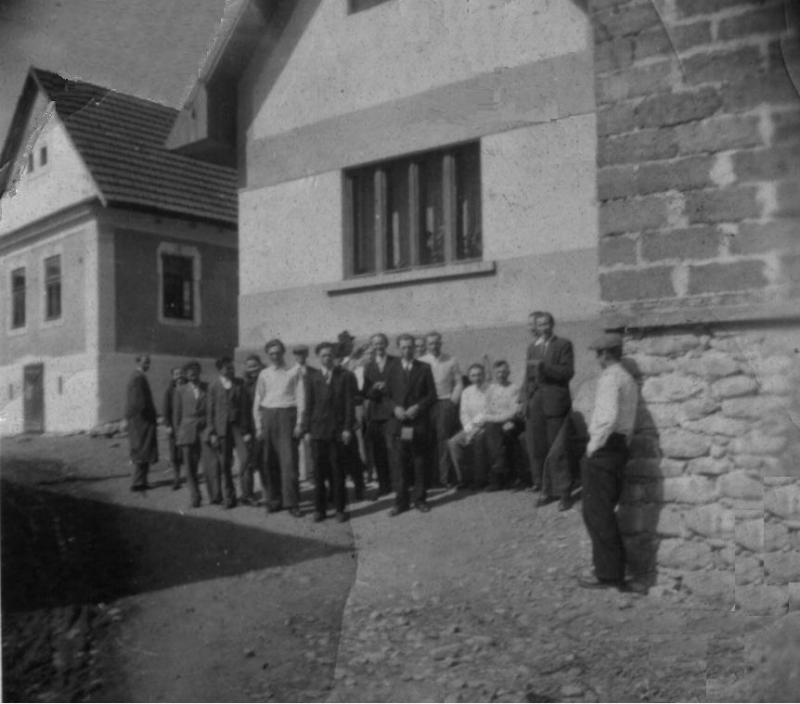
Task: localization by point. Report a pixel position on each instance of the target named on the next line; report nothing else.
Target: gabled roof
(122, 139)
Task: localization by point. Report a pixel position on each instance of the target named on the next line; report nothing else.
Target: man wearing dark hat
(140, 414)
(610, 431)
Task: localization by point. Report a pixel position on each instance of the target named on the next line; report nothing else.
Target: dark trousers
(602, 476)
(140, 474)
(379, 451)
(540, 434)
(191, 456)
(283, 483)
(328, 458)
(248, 470)
(175, 456)
(499, 447)
(443, 425)
(469, 458)
(220, 475)
(407, 458)
(352, 466)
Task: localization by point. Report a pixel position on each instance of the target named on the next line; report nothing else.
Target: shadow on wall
(640, 508)
(63, 550)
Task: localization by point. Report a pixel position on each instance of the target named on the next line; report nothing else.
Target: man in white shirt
(277, 411)
(472, 415)
(444, 414)
(610, 431)
(503, 424)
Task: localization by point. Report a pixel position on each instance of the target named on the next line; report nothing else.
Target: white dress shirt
(473, 408)
(614, 407)
(279, 387)
(501, 402)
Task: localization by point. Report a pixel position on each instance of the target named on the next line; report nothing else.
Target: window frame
(451, 177)
(50, 280)
(174, 249)
(13, 326)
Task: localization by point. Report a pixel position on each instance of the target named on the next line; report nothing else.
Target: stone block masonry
(713, 483)
(698, 133)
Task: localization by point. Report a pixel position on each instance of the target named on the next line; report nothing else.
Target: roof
(121, 139)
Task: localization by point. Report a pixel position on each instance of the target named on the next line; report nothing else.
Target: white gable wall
(64, 181)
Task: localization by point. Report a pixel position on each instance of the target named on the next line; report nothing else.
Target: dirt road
(475, 601)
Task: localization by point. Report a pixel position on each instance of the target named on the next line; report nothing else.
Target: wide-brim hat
(344, 335)
(607, 341)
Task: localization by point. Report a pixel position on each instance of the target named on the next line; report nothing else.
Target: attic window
(31, 162)
(354, 6)
(43, 156)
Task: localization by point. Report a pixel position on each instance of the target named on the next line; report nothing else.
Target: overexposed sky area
(150, 48)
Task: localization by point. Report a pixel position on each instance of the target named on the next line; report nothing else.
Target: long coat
(140, 413)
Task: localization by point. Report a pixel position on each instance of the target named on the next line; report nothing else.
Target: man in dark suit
(412, 392)
(379, 409)
(190, 421)
(549, 367)
(229, 426)
(328, 422)
(176, 381)
(140, 414)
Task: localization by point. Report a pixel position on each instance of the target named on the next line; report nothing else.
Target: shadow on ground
(64, 550)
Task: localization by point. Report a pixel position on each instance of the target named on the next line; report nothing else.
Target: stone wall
(698, 152)
(712, 502)
(698, 120)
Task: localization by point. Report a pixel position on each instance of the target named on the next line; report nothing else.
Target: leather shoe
(493, 487)
(396, 511)
(273, 508)
(342, 516)
(634, 587)
(422, 507)
(536, 488)
(544, 500)
(176, 485)
(564, 505)
(594, 583)
(196, 503)
(319, 516)
(295, 511)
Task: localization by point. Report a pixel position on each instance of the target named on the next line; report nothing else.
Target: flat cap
(607, 341)
(300, 349)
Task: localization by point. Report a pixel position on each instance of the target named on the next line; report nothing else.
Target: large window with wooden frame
(18, 298)
(52, 287)
(422, 210)
(178, 287)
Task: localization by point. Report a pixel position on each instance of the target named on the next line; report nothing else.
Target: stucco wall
(62, 182)
(402, 47)
(137, 298)
(64, 335)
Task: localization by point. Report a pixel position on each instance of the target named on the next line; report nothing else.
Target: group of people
(410, 422)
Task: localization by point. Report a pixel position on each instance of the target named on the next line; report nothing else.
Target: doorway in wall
(33, 398)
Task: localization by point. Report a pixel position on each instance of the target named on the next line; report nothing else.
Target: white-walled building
(408, 165)
(110, 245)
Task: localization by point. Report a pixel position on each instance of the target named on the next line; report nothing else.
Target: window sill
(412, 276)
(179, 322)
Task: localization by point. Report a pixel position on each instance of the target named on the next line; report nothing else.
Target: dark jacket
(552, 380)
(228, 407)
(416, 388)
(140, 413)
(380, 406)
(190, 414)
(330, 406)
(169, 403)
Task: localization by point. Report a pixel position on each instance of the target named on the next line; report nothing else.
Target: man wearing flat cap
(602, 470)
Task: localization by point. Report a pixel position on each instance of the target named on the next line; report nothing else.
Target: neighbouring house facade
(110, 245)
(627, 164)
